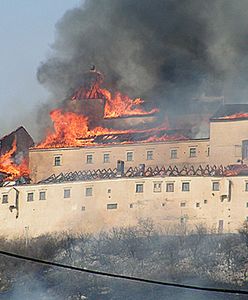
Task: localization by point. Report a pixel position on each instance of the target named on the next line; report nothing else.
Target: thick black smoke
(165, 50)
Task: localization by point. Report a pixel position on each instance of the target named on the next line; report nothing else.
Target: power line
(119, 276)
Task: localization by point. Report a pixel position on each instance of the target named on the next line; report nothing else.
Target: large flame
(11, 169)
(119, 105)
(69, 127)
(71, 130)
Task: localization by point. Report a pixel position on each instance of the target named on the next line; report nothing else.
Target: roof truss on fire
(227, 110)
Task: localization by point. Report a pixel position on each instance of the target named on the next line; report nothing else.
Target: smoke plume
(167, 50)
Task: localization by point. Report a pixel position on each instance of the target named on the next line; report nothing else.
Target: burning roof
(14, 153)
(229, 112)
(83, 118)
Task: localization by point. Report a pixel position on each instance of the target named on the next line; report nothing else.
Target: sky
(27, 30)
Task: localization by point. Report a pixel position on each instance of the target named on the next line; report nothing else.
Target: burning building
(109, 160)
(14, 153)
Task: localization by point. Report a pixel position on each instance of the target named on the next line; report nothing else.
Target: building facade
(217, 200)
(44, 162)
(219, 203)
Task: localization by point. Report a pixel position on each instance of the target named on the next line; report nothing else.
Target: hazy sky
(27, 29)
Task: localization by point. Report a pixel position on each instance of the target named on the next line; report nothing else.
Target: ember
(240, 115)
(12, 170)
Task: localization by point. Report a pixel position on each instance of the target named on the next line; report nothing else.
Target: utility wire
(113, 275)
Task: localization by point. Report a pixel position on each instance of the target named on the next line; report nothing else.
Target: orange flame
(117, 105)
(240, 115)
(121, 105)
(71, 130)
(12, 170)
(68, 128)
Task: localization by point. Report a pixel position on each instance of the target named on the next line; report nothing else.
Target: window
(67, 193)
(131, 205)
(42, 195)
(205, 201)
(170, 187)
(129, 156)
(197, 204)
(5, 199)
(30, 196)
(112, 206)
(106, 158)
(57, 160)
(83, 208)
(173, 153)
(246, 204)
(215, 186)
(89, 159)
(157, 187)
(185, 186)
(109, 191)
(139, 188)
(192, 152)
(182, 204)
(88, 191)
(245, 149)
(149, 155)
(163, 204)
(246, 186)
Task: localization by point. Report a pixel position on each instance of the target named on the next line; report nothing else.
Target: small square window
(83, 208)
(112, 206)
(173, 153)
(57, 160)
(163, 204)
(197, 204)
(246, 186)
(182, 204)
(5, 199)
(129, 156)
(205, 201)
(246, 219)
(246, 204)
(149, 155)
(157, 186)
(42, 195)
(139, 188)
(89, 159)
(88, 191)
(30, 197)
(106, 157)
(131, 205)
(170, 187)
(67, 193)
(215, 186)
(185, 186)
(192, 152)
(109, 191)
